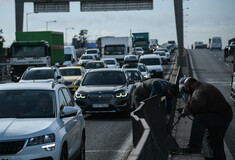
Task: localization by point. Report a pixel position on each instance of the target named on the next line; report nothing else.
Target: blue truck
(141, 40)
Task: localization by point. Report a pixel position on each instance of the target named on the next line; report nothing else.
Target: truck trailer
(141, 40)
(43, 48)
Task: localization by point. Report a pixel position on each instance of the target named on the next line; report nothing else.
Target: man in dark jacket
(211, 111)
(156, 86)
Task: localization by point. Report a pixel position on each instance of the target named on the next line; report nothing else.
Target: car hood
(25, 127)
(42, 80)
(72, 78)
(101, 88)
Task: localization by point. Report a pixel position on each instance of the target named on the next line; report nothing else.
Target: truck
(116, 47)
(141, 40)
(42, 48)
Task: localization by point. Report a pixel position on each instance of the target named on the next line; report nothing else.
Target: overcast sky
(203, 19)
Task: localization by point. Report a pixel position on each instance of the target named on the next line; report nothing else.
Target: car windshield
(109, 61)
(152, 61)
(91, 51)
(27, 104)
(162, 54)
(70, 72)
(133, 75)
(94, 65)
(86, 57)
(104, 78)
(38, 74)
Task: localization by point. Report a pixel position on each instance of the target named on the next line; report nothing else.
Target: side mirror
(68, 111)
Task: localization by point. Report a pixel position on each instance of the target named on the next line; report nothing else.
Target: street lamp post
(27, 14)
(49, 22)
(66, 33)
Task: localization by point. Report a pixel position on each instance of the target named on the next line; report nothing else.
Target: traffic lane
(167, 68)
(108, 136)
(210, 68)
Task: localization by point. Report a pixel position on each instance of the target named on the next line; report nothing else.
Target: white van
(154, 64)
(70, 58)
(216, 43)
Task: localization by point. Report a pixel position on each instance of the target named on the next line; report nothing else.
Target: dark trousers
(217, 124)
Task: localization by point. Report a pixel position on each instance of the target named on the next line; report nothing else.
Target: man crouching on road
(211, 111)
(156, 86)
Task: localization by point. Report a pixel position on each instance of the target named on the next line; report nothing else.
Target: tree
(83, 37)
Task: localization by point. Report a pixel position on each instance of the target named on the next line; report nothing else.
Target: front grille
(100, 98)
(11, 147)
(68, 83)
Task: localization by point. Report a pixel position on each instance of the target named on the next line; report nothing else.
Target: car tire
(82, 154)
(64, 153)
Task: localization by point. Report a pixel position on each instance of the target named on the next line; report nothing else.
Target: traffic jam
(54, 88)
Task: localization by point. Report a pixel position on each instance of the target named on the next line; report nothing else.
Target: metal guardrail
(151, 134)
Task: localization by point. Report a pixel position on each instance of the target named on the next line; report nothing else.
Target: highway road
(209, 66)
(109, 136)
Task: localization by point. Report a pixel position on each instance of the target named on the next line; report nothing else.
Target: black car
(104, 90)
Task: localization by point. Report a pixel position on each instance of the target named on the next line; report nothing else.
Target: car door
(72, 125)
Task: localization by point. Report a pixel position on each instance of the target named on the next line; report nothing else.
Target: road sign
(51, 7)
(124, 5)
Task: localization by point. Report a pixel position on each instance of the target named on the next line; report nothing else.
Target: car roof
(41, 68)
(149, 56)
(108, 59)
(28, 86)
(71, 67)
(105, 69)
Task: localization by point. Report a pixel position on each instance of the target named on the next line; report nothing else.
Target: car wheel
(64, 153)
(82, 155)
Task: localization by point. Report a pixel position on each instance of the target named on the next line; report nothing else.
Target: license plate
(100, 105)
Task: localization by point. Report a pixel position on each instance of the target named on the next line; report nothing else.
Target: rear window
(150, 61)
(104, 78)
(38, 74)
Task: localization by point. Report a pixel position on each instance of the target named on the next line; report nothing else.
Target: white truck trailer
(116, 47)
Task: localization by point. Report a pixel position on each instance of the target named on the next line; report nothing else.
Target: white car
(40, 121)
(42, 74)
(94, 51)
(84, 59)
(163, 56)
(154, 64)
(166, 51)
(138, 51)
(111, 62)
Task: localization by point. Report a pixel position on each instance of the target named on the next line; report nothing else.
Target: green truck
(141, 40)
(42, 48)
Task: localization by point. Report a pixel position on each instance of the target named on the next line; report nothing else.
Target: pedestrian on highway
(211, 111)
(156, 86)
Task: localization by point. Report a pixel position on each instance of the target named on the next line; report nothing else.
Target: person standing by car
(156, 86)
(211, 111)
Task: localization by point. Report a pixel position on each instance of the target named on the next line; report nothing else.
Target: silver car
(40, 121)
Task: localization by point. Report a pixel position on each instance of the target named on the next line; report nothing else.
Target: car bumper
(34, 153)
(113, 106)
(156, 74)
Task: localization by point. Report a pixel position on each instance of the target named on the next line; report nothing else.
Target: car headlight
(48, 138)
(122, 94)
(79, 95)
